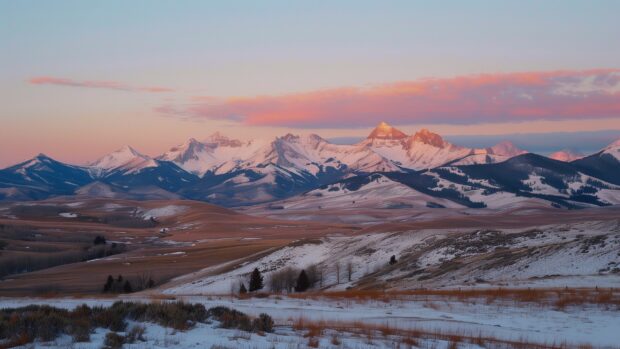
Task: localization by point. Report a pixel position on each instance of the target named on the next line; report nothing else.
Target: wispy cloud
(554, 95)
(109, 85)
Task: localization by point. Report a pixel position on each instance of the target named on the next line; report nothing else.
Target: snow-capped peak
(613, 149)
(615, 144)
(308, 139)
(505, 148)
(565, 155)
(427, 137)
(222, 140)
(386, 131)
(125, 158)
(184, 152)
(37, 161)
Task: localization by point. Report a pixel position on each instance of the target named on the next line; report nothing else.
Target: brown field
(200, 236)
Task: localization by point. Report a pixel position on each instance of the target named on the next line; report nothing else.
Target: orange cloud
(110, 85)
(553, 95)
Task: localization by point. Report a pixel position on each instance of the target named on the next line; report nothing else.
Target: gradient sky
(79, 79)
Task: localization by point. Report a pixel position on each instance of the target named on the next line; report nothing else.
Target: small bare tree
(337, 265)
(143, 281)
(349, 270)
(311, 272)
(283, 279)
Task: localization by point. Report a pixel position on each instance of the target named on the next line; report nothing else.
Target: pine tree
(303, 283)
(393, 260)
(99, 240)
(127, 287)
(256, 280)
(242, 289)
(108, 284)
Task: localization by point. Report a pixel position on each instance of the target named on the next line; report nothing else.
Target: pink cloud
(110, 85)
(554, 95)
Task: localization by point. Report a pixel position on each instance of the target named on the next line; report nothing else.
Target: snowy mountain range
(232, 172)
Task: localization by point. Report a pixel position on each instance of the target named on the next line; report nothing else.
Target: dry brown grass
(559, 298)
(412, 337)
(154, 297)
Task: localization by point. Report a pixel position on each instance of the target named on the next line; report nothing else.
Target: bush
(231, 318)
(23, 325)
(111, 318)
(50, 326)
(81, 329)
(264, 323)
(114, 341)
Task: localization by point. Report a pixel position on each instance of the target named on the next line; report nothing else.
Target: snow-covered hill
(371, 191)
(576, 254)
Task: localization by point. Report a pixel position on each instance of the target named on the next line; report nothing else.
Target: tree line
(291, 279)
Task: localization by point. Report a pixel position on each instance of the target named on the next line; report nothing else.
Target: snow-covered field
(594, 325)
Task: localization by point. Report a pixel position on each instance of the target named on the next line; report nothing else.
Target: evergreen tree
(99, 240)
(303, 283)
(393, 260)
(256, 280)
(108, 284)
(242, 289)
(150, 283)
(127, 287)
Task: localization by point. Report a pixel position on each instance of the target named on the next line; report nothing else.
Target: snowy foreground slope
(594, 325)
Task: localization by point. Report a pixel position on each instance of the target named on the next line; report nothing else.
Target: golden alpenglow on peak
(386, 131)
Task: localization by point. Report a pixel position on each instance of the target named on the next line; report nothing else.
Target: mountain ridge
(232, 172)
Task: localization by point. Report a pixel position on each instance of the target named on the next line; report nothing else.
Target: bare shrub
(230, 318)
(113, 340)
(264, 323)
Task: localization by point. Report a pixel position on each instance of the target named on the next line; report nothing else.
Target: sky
(80, 79)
